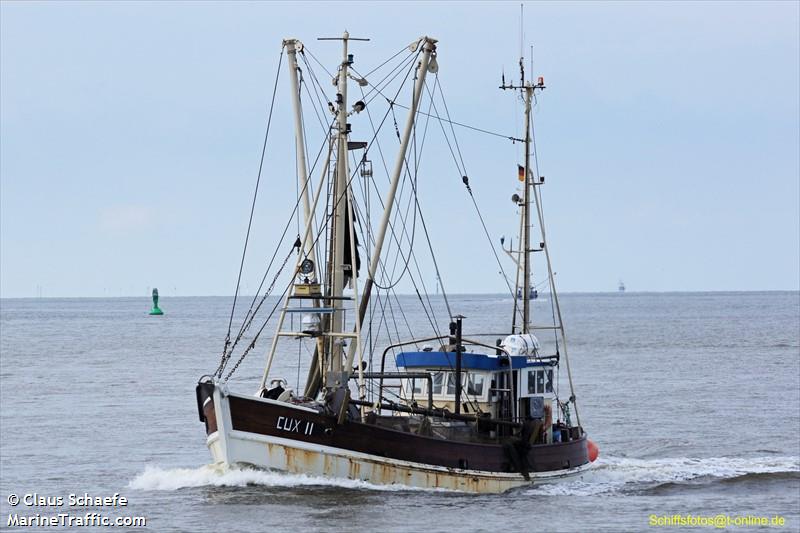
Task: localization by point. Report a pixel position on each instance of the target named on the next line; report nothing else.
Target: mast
(525, 253)
(526, 282)
(533, 186)
(332, 365)
(340, 201)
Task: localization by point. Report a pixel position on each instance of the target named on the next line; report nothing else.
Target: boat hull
(284, 437)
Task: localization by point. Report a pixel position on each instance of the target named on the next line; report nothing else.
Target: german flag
(521, 172)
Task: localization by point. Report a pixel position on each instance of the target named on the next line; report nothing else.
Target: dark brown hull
(285, 421)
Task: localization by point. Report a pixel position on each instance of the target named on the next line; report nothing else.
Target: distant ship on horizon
(621, 287)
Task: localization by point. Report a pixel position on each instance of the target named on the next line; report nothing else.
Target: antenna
(531, 58)
(521, 40)
(521, 26)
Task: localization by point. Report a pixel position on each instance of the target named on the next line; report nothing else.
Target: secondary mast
(526, 198)
(526, 88)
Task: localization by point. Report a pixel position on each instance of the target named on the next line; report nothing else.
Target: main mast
(340, 203)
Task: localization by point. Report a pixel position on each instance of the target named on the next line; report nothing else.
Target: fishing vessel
(453, 408)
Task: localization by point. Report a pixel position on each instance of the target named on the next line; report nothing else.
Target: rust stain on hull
(300, 461)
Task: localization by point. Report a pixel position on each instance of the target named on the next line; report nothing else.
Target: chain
(225, 356)
(239, 362)
(253, 343)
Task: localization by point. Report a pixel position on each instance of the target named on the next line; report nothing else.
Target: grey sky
(668, 133)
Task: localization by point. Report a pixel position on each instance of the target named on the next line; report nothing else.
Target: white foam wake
(156, 478)
(616, 474)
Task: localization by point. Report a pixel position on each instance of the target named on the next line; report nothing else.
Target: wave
(618, 475)
(154, 478)
(610, 475)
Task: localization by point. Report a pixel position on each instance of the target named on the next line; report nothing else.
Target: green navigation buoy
(155, 310)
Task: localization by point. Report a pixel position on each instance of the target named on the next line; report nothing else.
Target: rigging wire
(460, 124)
(466, 398)
(377, 142)
(245, 322)
(308, 92)
(272, 312)
(402, 66)
(251, 312)
(554, 296)
(399, 213)
(537, 199)
(253, 205)
(318, 61)
(465, 180)
(428, 239)
(384, 63)
(414, 284)
(305, 139)
(337, 200)
(390, 290)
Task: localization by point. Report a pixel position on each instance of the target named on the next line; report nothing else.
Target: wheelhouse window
(540, 381)
(451, 383)
(472, 383)
(438, 382)
(475, 384)
(531, 381)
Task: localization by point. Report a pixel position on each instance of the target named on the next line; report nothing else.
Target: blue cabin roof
(469, 361)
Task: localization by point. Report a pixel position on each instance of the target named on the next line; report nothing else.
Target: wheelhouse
(517, 387)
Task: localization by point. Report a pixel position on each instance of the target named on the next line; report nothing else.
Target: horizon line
(161, 295)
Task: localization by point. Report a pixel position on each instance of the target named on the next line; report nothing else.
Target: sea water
(693, 399)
